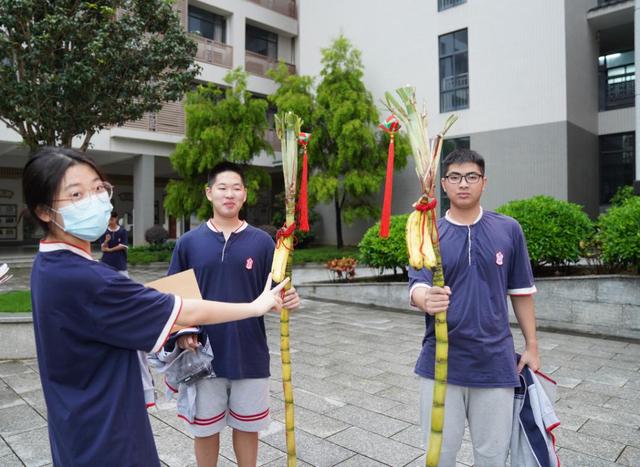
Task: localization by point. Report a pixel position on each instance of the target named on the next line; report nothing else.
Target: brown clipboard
(183, 284)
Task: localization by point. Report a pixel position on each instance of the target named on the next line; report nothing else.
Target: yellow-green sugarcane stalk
(427, 158)
(288, 129)
(287, 386)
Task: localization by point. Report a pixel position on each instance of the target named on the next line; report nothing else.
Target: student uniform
(116, 259)
(89, 321)
(482, 264)
(231, 270)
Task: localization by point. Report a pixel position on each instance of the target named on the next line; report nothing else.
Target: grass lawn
(18, 301)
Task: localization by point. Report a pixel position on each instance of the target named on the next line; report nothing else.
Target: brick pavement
(356, 397)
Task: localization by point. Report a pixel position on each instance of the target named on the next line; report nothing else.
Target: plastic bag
(189, 367)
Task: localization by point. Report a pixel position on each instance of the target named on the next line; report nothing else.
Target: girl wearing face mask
(89, 320)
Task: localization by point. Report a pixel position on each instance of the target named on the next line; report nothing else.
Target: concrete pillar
(236, 38)
(143, 196)
(636, 33)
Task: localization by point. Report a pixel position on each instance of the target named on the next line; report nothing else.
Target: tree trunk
(336, 203)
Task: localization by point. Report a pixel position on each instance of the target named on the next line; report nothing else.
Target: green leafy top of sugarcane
(415, 123)
(288, 129)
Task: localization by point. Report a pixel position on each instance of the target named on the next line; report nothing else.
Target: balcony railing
(621, 94)
(170, 119)
(285, 7)
(455, 82)
(259, 64)
(213, 52)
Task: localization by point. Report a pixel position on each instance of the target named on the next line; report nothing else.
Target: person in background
(114, 245)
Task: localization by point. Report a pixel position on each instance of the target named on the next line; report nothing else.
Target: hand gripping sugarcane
(423, 241)
(288, 130)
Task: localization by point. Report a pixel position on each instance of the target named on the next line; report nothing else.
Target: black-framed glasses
(472, 177)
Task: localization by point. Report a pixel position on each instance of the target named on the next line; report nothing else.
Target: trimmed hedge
(150, 253)
(386, 253)
(619, 234)
(553, 228)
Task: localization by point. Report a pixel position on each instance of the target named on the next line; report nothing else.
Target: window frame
(268, 38)
(451, 58)
(444, 5)
(603, 154)
(216, 20)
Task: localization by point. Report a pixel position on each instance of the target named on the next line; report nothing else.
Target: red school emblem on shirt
(249, 264)
(499, 258)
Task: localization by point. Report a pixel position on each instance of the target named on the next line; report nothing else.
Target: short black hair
(114, 214)
(460, 156)
(225, 166)
(43, 174)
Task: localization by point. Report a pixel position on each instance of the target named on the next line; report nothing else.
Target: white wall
(516, 54)
(582, 66)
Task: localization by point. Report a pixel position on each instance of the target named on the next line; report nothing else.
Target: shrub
(150, 254)
(622, 194)
(386, 253)
(553, 228)
(156, 235)
(619, 234)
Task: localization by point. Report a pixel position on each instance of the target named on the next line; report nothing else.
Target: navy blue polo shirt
(482, 263)
(116, 259)
(233, 271)
(89, 320)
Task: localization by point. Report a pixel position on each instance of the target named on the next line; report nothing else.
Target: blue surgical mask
(86, 219)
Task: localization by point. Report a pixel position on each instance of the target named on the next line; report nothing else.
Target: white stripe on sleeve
(164, 335)
(526, 291)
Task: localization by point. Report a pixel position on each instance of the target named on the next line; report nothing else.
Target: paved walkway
(356, 397)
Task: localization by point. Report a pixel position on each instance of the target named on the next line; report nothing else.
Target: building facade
(544, 90)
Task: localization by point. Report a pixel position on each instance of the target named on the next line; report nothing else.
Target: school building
(544, 90)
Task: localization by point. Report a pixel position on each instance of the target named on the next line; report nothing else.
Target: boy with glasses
(484, 259)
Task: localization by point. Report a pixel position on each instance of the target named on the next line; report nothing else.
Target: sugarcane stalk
(285, 359)
(288, 129)
(427, 158)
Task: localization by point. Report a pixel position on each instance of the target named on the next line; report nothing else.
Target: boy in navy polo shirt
(232, 260)
(114, 245)
(484, 259)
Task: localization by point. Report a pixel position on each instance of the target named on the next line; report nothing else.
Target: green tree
(347, 152)
(293, 94)
(73, 68)
(222, 124)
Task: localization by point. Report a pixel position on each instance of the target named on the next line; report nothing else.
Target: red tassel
(385, 221)
(302, 200)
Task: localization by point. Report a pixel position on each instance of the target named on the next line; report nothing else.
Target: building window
(617, 76)
(262, 42)
(617, 163)
(207, 24)
(454, 71)
(449, 145)
(446, 4)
